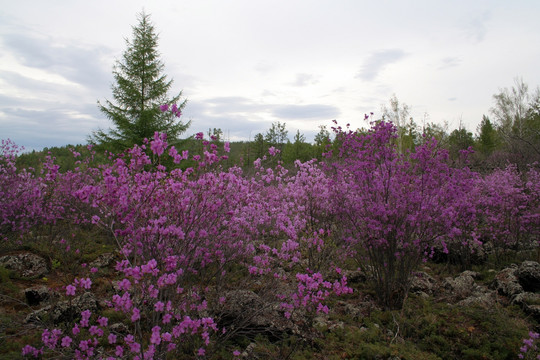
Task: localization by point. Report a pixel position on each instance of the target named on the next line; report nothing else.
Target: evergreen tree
(260, 146)
(487, 136)
(140, 88)
(322, 139)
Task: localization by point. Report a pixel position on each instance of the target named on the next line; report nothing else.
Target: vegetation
(140, 89)
(266, 254)
(270, 248)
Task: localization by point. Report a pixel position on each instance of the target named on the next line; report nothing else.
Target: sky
(245, 64)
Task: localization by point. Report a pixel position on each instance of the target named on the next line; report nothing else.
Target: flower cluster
(529, 350)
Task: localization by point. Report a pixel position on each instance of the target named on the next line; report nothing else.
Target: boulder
(26, 265)
(506, 282)
(422, 283)
(65, 311)
(468, 293)
(38, 294)
(528, 274)
(526, 298)
(481, 296)
(462, 286)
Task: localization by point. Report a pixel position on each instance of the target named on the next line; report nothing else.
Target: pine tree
(487, 136)
(140, 88)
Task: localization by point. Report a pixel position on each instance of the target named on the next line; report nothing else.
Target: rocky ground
(444, 316)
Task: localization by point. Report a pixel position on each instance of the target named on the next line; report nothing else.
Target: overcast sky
(243, 64)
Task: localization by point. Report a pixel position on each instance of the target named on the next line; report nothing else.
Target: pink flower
(136, 315)
(103, 321)
(111, 338)
(273, 151)
(166, 337)
(155, 338)
(164, 107)
(135, 347)
(159, 306)
(66, 341)
(83, 345)
(86, 283)
(119, 351)
(70, 290)
(75, 329)
(27, 350)
(159, 144)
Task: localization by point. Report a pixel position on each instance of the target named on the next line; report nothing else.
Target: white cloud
(377, 61)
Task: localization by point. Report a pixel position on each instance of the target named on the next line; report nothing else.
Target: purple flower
(70, 290)
(136, 315)
(66, 341)
(103, 321)
(164, 107)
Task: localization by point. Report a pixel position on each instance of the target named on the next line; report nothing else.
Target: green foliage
(322, 139)
(276, 136)
(459, 139)
(6, 285)
(298, 150)
(140, 88)
(488, 139)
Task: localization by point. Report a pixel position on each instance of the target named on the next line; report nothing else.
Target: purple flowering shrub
(394, 207)
(182, 235)
(24, 194)
(193, 238)
(510, 211)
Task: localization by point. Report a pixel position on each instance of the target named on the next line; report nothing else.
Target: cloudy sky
(243, 64)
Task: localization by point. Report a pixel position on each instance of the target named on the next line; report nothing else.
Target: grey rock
(322, 321)
(533, 310)
(38, 294)
(27, 265)
(462, 286)
(479, 297)
(65, 311)
(506, 282)
(248, 353)
(103, 260)
(526, 298)
(422, 283)
(528, 275)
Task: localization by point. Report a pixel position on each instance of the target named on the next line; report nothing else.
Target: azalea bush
(394, 207)
(182, 235)
(192, 235)
(509, 203)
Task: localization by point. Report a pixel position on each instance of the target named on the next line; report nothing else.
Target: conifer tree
(140, 88)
